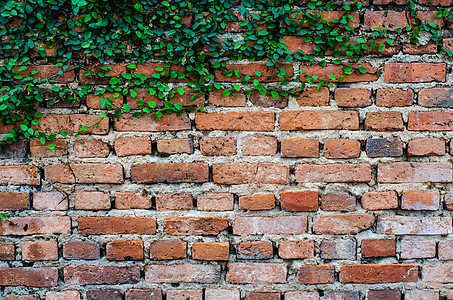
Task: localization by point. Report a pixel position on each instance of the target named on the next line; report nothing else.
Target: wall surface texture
(345, 193)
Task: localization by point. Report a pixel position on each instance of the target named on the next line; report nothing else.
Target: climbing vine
(117, 48)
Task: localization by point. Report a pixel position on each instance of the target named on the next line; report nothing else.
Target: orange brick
(341, 148)
(374, 273)
(333, 173)
(342, 223)
(298, 147)
(353, 97)
(378, 247)
(39, 250)
(91, 200)
(194, 225)
(236, 98)
(223, 146)
(244, 121)
(132, 200)
(426, 147)
(257, 202)
(420, 200)
(343, 202)
(384, 121)
(211, 251)
(133, 146)
(379, 200)
(313, 97)
(175, 146)
(296, 249)
(394, 97)
(162, 250)
(116, 225)
(316, 274)
(318, 120)
(124, 250)
(215, 202)
(259, 145)
(13, 201)
(84, 173)
(254, 250)
(414, 72)
(87, 148)
(174, 201)
(299, 201)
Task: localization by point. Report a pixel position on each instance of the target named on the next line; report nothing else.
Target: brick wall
(345, 193)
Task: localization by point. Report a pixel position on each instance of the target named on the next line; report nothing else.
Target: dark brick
(384, 147)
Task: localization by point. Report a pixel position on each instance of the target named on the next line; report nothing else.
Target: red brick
(255, 250)
(426, 147)
(81, 250)
(394, 97)
(259, 145)
(299, 147)
(299, 200)
(33, 277)
(296, 249)
(313, 97)
(341, 148)
(379, 200)
(220, 294)
(148, 123)
(222, 146)
(39, 150)
(333, 295)
(235, 99)
(64, 295)
(421, 294)
(16, 297)
(124, 250)
(449, 200)
(19, 175)
(378, 248)
(414, 49)
(323, 72)
(50, 201)
(390, 20)
(243, 121)
(116, 225)
(333, 173)
(170, 173)
(250, 69)
(36, 225)
(302, 295)
(84, 173)
(295, 43)
(267, 100)
(414, 72)
(263, 295)
(256, 273)
(435, 97)
(270, 225)
(211, 251)
(51, 123)
(448, 42)
(88, 148)
(437, 273)
(316, 274)
(342, 223)
(430, 120)
(39, 250)
(194, 225)
(382, 147)
(373, 273)
(414, 172)
(161, 250)
(91, 200)
(48, 71)
(179, 273)
(316, 120)
(215, 202)
(134, 294)
(402, 225)
(13, 201)
(85, 275)
(186, 98)
(239, 173)
(383, 294)
(257, 202)
(7, 251)
(132, 200)
(133, 146)
(435, 2)
(417, 249)
(175, 146)
(184, 294)
(343, 202)
(174, 201)
(384, 121)
(338, 249)
(445, 250)
(420, 200)
(94, 101)
(353, 97)
(114, 70)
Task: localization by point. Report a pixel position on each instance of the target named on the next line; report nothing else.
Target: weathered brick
(250, 69)
(81, 250)
(401, 172)
(316, 274)
(299, 147)
(378, 247)
(34, 277)
(184, 294)
(116, 225)
(316, 120)
(295, 43)
(338, 249)
(426, 147)
(449, 200)
(296, 249)
(113, 69)
(299, 200)
(51, 123)
(430, 120)
(39, 250)
(148, 123)
(94, 101)
(375, 273)
(236, 98)
(194, 225)
(257, 202)
(259, 145)
(341, 148)
(211, 251)
(124, 250)
(87, 148)
(16, 297)
(174, 201)
(402, 225)
(170, 173)
(421, 294)
(255, 250)
(222, 146)
(91, 200)
(13, 201)
(343, 202)
(384, 121)
(334, 295)
(7, 251)
(39, 150)
(267, 100)
(131, 200)
(64, 295)
(445, 250)
(186, 98)
(238, 173)
(342, 223)
(256, 273)
(437, 273)
(380, 200)
(353, 97)
(50, 201)
(382, 147)
(148, 294)
(19, 175)
(104, 295)
(36, 225)
(313, 97)
(175, 146)
(418, 49)
(182, 273)
(417, 249)
(435, 97)
(132, 146)
(84, 173)
(394, 97)
(270, 225)
(420, 200)
(414, 72)
(85, 275)
(323, 72)
(215, 202)
(333, 173)
(220, 294)
(17, 149)
(302, 295)
(383, 294)
(244, 121)
(161, 250)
